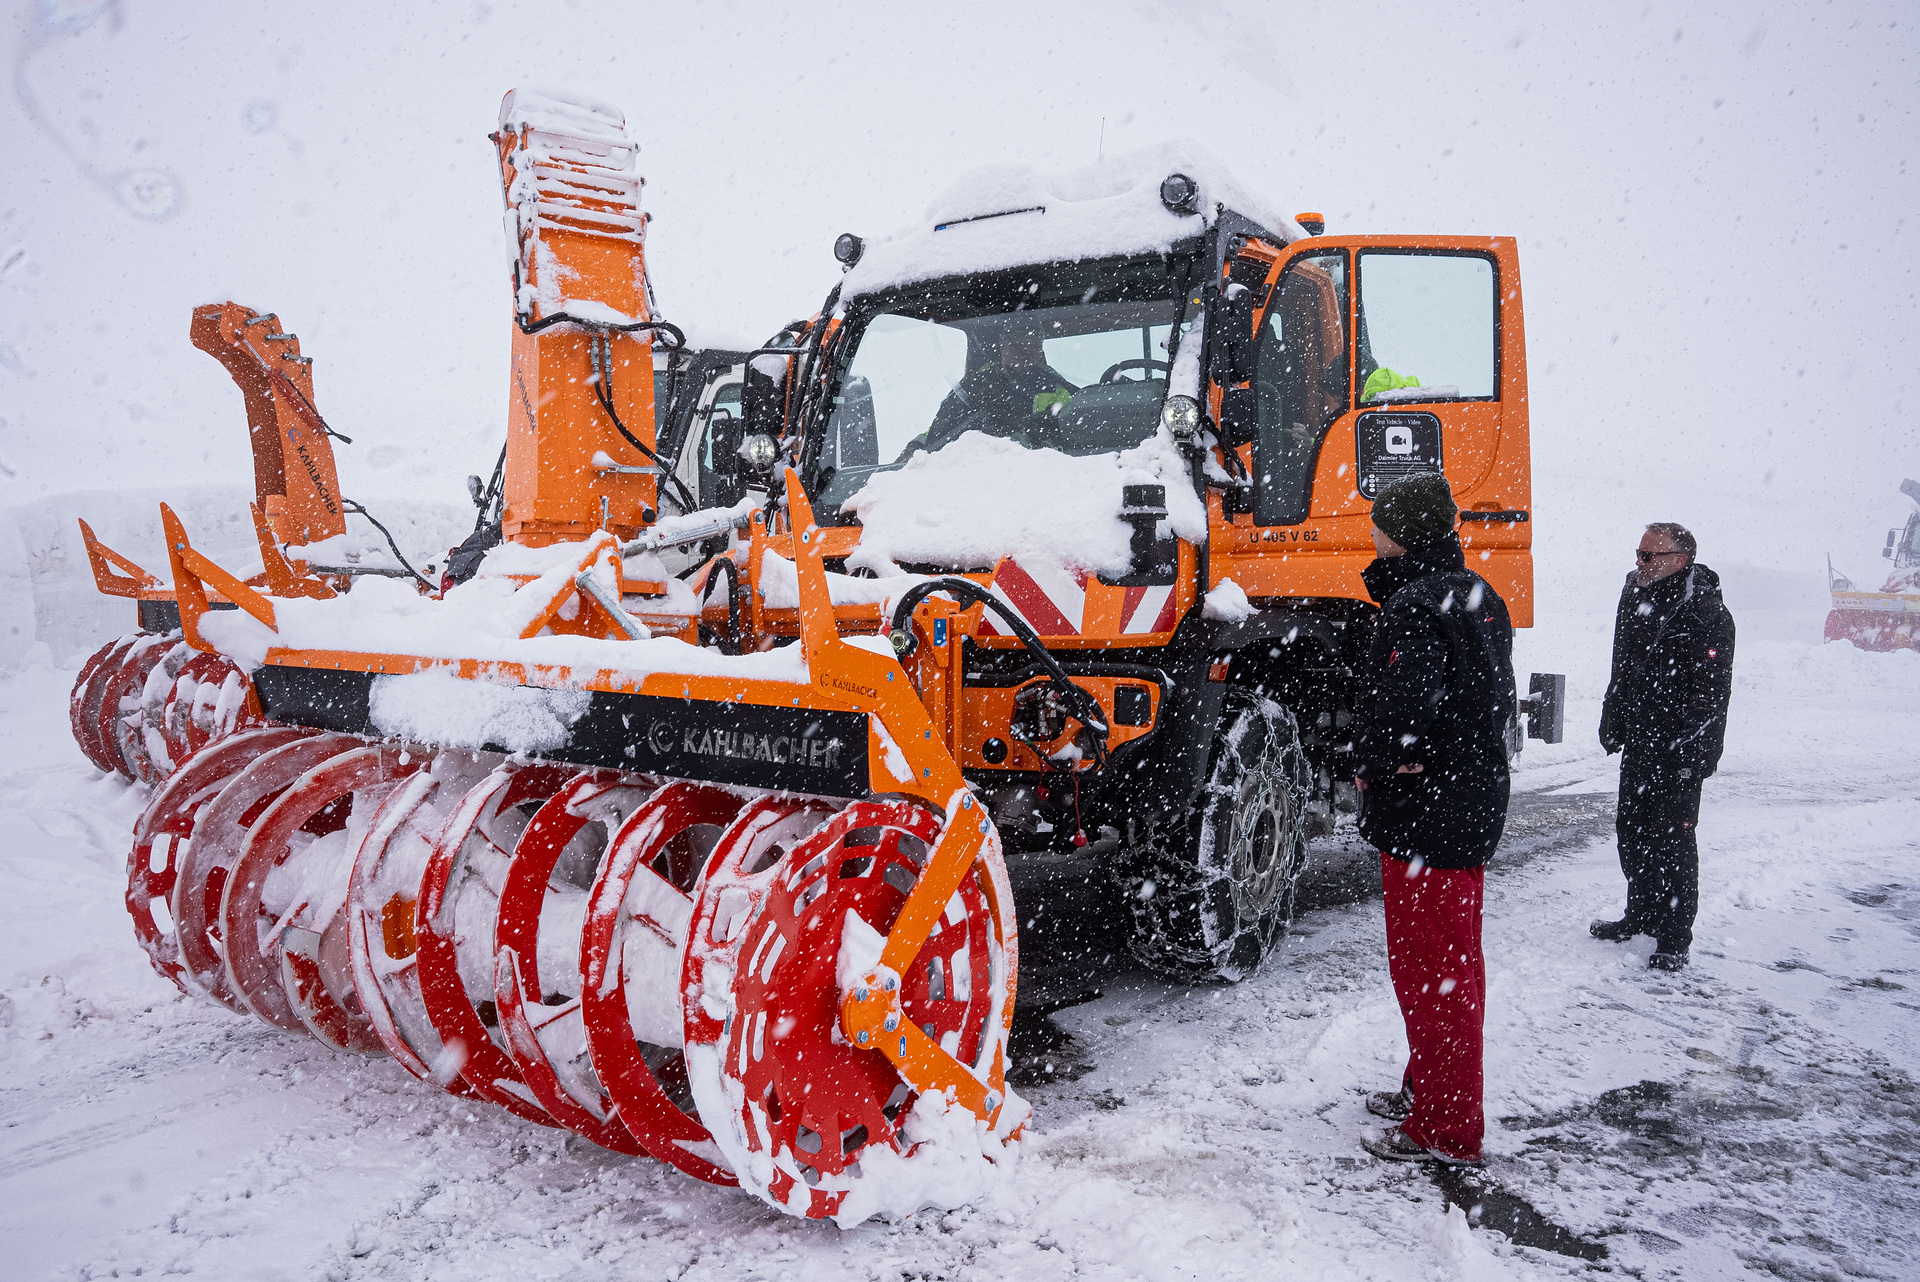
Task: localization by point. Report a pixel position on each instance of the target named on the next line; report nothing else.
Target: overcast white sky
(1713, 205)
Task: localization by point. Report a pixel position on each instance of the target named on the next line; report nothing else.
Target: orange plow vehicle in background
(1890, 618)
(1043, 535)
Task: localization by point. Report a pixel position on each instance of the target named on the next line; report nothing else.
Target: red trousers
(1433, 954)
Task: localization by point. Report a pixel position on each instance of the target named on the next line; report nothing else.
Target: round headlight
(761, 452)
(1181, 416)
(848, 248)
(1179, 193)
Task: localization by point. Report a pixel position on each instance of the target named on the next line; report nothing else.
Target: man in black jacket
(1666, 709)
(1432, 774)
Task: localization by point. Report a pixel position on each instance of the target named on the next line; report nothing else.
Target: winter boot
(1395, 1106)
(1667, 961)
(1614, 932)
(1394, 1146)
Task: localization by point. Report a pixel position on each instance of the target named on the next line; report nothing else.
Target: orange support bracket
(134, 582)
(283, 579)
(191, 574)
(550, 592)
(870, 1014)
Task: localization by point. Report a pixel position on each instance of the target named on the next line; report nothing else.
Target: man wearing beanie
(1437, 696)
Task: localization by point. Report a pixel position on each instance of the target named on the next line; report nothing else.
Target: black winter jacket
(1672, 672)
(1438, 691)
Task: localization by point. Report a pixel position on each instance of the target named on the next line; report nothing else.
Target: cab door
(712, 421)
(1376, 358)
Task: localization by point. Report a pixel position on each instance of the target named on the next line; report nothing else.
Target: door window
(1301, 384)
(724, 409)
(1428, 327)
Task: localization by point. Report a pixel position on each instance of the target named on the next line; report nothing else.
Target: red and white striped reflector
(1053, 601)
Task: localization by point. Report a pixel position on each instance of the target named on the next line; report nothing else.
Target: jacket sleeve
(1611, 737)
(1409, 680)
(1704, 725)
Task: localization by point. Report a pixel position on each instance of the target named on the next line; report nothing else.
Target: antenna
(1101, 154)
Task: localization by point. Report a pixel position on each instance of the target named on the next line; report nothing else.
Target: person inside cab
(1010, 395)
(1384, 380)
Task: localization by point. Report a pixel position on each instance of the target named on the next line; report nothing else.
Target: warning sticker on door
(1392, 444)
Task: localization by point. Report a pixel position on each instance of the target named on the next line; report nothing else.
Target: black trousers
(1658, 853)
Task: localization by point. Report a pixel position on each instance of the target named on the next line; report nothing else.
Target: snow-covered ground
(1756, 1114)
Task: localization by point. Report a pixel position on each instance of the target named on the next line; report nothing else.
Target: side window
(1301, 384)
(723, 413)
(1428, 325)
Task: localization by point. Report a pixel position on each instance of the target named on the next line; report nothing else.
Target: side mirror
(1232, 353)
(476, 491)
(762, 403)
(1239, 415)
(1546, 706)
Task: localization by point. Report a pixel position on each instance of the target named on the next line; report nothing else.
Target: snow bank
(47, 594)
(1101, 210)
(983, 497)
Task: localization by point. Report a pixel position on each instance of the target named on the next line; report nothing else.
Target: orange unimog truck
(1044, 534)
(1183, 406)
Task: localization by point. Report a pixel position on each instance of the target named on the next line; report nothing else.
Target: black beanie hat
(1416, 511)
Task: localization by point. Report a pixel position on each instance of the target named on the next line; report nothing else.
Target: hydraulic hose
(1078, 700)
(355, 508)
(603, 392)
(725, 563)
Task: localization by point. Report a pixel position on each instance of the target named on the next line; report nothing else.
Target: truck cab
(1149, 418)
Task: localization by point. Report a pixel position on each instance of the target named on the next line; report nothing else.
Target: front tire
(1212, 889)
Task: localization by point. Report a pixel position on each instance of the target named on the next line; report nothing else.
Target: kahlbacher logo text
(744, 745)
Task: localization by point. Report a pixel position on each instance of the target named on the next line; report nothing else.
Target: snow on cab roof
(1010, 215)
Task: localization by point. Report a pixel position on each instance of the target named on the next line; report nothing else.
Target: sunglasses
(1645, 556)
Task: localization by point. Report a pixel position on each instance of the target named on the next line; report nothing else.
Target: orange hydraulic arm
(580, 407)
(293, 474)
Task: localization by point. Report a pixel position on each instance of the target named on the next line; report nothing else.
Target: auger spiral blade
(381, 902)
(205, 702)
(814, 1123)
(220, 836)
(454, 916)
(83, 705)
(166, 828)
(543, 902)
(630, 964)
(281, 917)
(121, 713)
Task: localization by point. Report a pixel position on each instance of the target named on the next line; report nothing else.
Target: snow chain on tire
(1211, 891)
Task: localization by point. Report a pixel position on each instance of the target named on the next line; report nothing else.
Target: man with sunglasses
(1666, 712)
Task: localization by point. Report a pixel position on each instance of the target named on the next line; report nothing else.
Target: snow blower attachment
(1890, 618)
(527, 858)
(710, 865)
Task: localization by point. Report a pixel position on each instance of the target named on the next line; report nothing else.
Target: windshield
(1071, 357)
